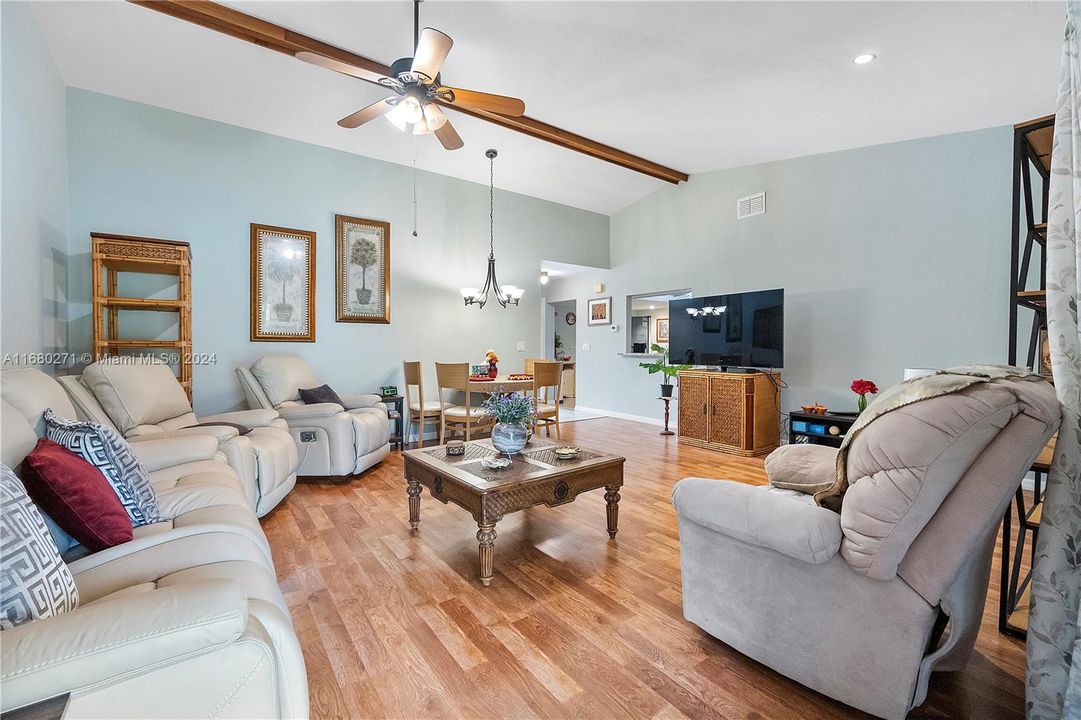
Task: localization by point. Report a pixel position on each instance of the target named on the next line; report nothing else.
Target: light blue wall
(891, 256)
(140, 170)
(33, 255)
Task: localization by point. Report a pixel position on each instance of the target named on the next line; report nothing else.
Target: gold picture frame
(362, 249)
(282, 258)
(662, 330)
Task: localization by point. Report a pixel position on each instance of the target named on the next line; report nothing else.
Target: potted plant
(514, 415)
(493, 360)
(557, 347)
(283, 270)
(363, 254)
(660, 365)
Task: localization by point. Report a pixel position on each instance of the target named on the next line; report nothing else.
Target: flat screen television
(739, 330)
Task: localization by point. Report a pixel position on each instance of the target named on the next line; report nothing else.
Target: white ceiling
(697, 86)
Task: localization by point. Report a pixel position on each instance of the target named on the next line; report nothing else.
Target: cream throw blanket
(924, 387)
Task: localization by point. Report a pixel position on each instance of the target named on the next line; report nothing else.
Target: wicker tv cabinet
(737, 413)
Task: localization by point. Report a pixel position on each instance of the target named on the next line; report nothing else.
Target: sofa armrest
(780, 520)
(156, 453)
(117, 637)
(250, 418)
(309, 412)
(353, 401)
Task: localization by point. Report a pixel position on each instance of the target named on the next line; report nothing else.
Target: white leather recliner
(186, 620)
(334, 440)
(141, 399)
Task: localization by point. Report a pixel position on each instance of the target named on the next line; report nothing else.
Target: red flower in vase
(862, 387)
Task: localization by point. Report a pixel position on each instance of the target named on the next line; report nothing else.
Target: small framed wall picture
(600, 311)
(282, 284)
(362, 289)
(662, 330)
(1045, 354)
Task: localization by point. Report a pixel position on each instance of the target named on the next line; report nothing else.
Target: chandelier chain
(491, 206)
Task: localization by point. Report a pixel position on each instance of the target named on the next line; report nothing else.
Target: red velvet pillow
(76, 495)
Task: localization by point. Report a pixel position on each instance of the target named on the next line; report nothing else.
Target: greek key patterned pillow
(103, 448)
(34, 581)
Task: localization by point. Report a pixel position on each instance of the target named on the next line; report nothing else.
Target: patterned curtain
(1053, 687)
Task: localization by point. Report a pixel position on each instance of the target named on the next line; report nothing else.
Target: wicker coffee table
(536, 477)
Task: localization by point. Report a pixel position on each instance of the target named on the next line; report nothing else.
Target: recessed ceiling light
(863, 59)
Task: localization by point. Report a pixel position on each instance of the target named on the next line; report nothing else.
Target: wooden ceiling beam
(240, 25)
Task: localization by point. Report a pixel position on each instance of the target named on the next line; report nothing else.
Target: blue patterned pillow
(34, 581)
(103, 448)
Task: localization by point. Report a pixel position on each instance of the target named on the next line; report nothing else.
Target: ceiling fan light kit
(419, 90)
(504, 294)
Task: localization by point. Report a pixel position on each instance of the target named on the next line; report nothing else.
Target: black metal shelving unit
(1028, 313)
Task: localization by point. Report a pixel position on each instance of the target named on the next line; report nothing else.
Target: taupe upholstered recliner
(185, 620)
(334, 440)
(854, 604)
(141, 399)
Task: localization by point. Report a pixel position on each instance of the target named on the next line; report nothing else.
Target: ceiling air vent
(751, 205)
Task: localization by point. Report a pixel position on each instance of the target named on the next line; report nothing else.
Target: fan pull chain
(414, 186)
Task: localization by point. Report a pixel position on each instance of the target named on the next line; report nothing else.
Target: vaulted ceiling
(695, 86)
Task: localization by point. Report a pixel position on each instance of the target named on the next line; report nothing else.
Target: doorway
(561, 344)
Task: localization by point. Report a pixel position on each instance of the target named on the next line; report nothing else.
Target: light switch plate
(587, 346)
(521, 346)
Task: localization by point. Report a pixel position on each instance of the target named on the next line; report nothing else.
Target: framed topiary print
(282, 284)
(362, 290)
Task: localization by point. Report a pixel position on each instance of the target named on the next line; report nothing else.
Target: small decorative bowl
(566, 452)
(455, 447)
(496, 462)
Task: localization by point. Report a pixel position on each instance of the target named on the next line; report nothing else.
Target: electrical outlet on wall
(587, 346)
(521, 346)
(307, 436)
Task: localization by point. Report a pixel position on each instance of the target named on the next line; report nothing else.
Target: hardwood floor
(396, 624)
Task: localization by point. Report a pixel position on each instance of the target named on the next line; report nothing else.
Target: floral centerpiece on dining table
(514, 414)
(493, 360)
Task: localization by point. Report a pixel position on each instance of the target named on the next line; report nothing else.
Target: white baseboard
(622, 416)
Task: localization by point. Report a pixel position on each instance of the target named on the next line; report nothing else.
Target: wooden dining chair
(547, 376)
(530, 362)
(420, 410)
(457, 418)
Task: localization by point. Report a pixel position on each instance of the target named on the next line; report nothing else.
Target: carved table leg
(611, 495)
(414, 504)
(486, 538)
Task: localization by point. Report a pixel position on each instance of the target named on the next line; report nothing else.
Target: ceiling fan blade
(338, 66)
(365, 114)
(474, 100)
(431, 52)
(448, 137)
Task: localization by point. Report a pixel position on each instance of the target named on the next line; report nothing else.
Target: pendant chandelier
(504, 294)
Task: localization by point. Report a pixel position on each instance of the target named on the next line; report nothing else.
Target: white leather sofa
(334, 440)
(142, 400)
(186, 620)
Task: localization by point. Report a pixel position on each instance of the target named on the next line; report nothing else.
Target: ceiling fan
(419, 89)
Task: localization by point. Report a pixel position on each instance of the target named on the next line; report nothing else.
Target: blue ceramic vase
(508, 438)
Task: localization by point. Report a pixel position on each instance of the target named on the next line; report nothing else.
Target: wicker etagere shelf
(115, 254)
